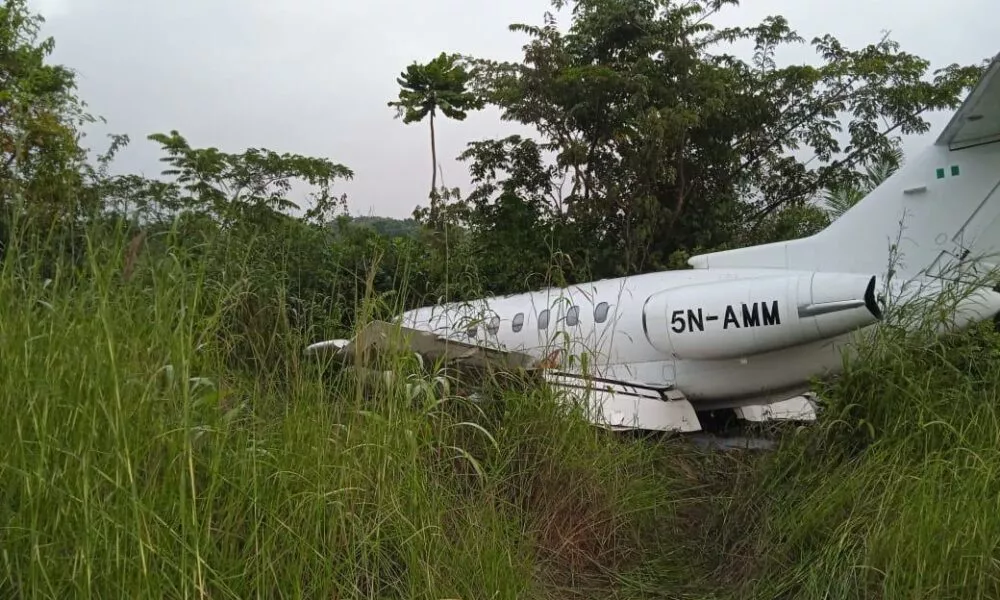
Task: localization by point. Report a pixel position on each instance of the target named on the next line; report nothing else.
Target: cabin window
(601, 312)
(543, 319)
(518, 322)
(494, 325)
(573, 316)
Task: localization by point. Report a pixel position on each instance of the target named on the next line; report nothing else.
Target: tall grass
(141, 460)
(164, 437)
(897, 493)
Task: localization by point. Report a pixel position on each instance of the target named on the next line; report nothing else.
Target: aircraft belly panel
(760, 374)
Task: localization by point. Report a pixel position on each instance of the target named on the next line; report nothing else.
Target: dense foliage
(653, 143)
(661, 142)
(163, 436)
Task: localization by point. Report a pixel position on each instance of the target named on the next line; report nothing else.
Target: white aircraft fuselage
(714, 334)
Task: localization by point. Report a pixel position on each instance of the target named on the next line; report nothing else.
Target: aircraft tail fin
(942, 206)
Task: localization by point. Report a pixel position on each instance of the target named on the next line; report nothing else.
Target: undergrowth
(165, 437)
(895, 494)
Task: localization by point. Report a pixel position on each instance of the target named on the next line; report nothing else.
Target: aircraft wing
(381, 336)
(611, 403)
(619, 405)
(977, 121)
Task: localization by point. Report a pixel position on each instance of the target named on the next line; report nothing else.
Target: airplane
(744, 330)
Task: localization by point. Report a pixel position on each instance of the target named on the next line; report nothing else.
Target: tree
(40, 115)
(387, 226)
(439, 85)
(655, 141)
(251, 185)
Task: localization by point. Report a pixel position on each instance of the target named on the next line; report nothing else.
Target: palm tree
(840, 199)
(439, 85)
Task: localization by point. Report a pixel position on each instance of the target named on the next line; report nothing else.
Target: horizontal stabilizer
(977, 121)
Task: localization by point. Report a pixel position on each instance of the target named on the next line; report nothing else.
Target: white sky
(313, 76)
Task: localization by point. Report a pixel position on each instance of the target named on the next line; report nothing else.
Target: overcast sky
(314, 76)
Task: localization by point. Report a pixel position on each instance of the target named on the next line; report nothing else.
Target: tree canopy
(654, 141)
(426, 89)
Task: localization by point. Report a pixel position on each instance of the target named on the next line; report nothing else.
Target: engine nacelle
(739, 317)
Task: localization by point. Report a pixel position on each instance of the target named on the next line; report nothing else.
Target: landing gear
(725, 429)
